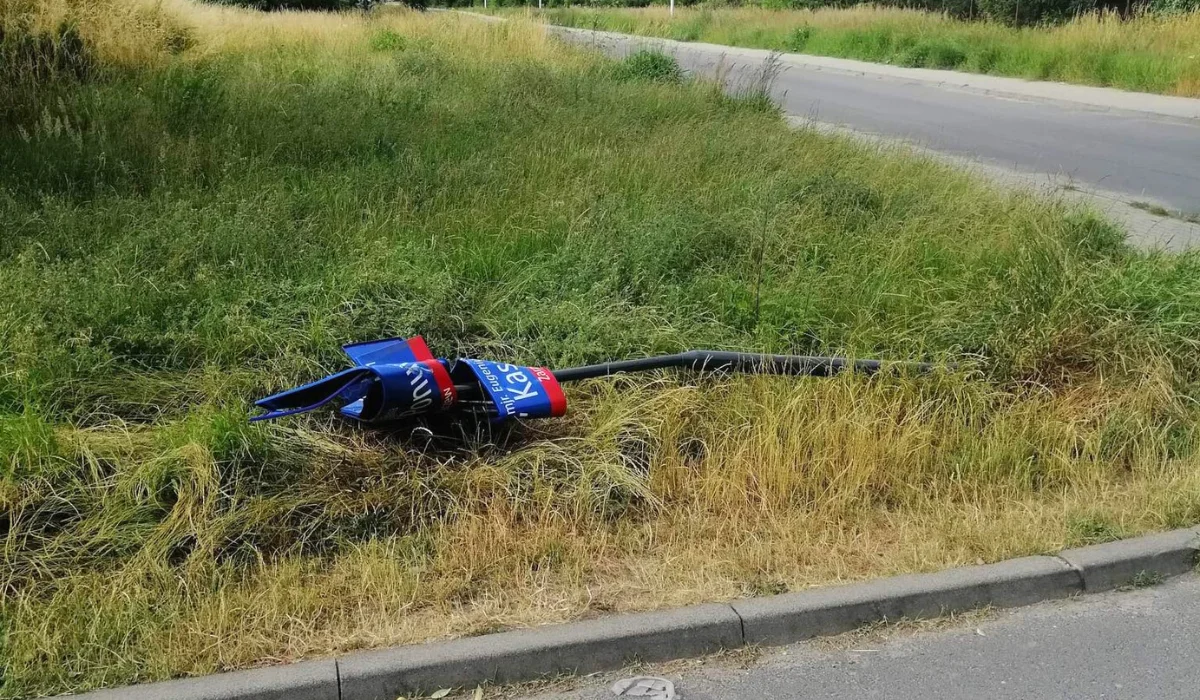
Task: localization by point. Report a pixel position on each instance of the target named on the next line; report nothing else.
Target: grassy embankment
(1148, 53)
(200, 204)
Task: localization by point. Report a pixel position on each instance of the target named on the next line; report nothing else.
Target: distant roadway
(1118, 148)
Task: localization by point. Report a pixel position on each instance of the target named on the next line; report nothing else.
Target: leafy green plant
(798, 39)
(388, 40)
(649, 66)
(1093, 529)
(1146, 579)
(1030, 12)
(1174, 7)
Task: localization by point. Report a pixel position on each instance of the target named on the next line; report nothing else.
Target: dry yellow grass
(125, 33)
(142, 34)
(663, 494)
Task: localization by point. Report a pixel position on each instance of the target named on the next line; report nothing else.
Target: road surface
(1116, 155)
(1135, 645)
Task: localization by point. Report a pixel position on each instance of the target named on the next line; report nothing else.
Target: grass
(200, 204)
(1146, 579)
(1148, 53)
(1159, 210)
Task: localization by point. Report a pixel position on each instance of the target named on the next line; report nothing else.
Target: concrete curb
(794, 617)
(1107, 566)
(580, 647)
(307, 680)
(613, 642)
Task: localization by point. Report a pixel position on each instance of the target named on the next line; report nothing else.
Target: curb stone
(579, 647)
(307, 680)
(793, 617)
(613, 642)
(1126, 562)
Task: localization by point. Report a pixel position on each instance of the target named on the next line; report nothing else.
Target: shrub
(1174, 7)
(798, 39)
(43, 56)
(803, 4)
(269, 5)
(327, 5)
(954, 8)
(31, 63)
(1025, 12)
(388, 40)
(649, 66)
(934, 54)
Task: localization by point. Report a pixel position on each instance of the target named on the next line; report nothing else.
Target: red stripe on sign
(444, 383)
(419, 349)
(558, 400)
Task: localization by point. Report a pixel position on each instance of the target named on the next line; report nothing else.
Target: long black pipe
(722, 361)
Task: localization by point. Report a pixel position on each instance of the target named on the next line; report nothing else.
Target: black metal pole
(718, 361)
(722, 361)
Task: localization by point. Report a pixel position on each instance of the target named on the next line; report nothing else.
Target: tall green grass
(222, 198)
(1148, 53)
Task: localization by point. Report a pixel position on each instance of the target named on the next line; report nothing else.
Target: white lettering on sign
(512, 385)
(522, 392)
(422, 394)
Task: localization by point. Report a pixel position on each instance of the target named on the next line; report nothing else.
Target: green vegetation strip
(200, 204)
(1150, 53)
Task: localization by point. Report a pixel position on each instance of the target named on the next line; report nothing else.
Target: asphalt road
(1139, 645)
(1123, 155)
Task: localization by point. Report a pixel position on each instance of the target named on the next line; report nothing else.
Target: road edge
(616, 641)
(1144, 230)
(1084, 96)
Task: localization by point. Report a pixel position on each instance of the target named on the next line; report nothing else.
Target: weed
(798, 39)
(1146, 579)
(1159, 210)
(387, 40)
(758, 588)
(649, 66)
(1093, 529)
(26, 443)
(1150, 208)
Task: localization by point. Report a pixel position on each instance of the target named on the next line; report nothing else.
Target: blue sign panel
(394, 377)
(397, 377)
(516, 391)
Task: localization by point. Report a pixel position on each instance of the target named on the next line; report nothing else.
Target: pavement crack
(1076, 569)
(741, 623)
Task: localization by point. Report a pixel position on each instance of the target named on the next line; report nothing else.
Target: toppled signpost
(397, 378)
